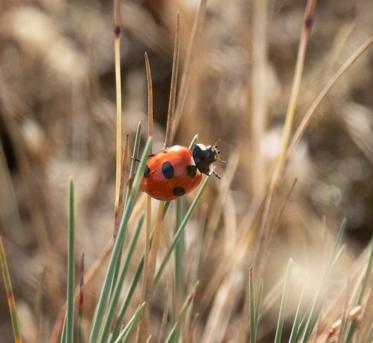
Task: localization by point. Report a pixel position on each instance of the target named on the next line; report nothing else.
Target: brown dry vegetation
(57, 118)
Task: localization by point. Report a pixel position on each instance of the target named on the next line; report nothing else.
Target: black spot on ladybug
(167, 170)
(192, 170)
(147, 171)
(179, 191)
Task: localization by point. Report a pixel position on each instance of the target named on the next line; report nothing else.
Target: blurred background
(57, 118)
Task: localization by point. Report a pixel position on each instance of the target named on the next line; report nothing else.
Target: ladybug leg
(138, 160)
(135, 159)
(130, 182)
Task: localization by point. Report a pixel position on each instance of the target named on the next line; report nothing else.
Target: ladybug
(175, 171)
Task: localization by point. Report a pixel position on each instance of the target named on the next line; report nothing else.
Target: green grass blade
(339, 237)
(173, 335)
(315, 307)
(115, 256)
(126, 332)
(119, 285)
(364, 283)
(9, 293)
(297, 320)
(254, 304)
(180, 230)
(252, 312)
(258, 303)
(194, 141)
(179, 252)
(81, 302)
(280, 321)
(63, 334)
(179, 263)
(316, 302)
(369, 337)
(135, 153)
(128, 298)
(69, 333)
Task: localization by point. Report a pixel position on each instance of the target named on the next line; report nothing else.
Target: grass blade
(180, 230)
(119, 285)
(179, 263)
(193, 142)
(173, 85)
(340, 235)
(309, 17)
(70, 270)
(81, 302)
(179, 252)
(9, 294)
(142, 332)
(252, 308)
(125, 334)
(173, 335)
(128, 298)
(115, 256)
(297, 319)
(135, 153)
(311, 317)
(258, 303)
(364, 283)
(118, 98)
(280, 321)
(315, 307)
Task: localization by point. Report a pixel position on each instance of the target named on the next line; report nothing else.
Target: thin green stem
(126, 332)
(70, 269)
(180, 230)
(115, 257)
(9, 293)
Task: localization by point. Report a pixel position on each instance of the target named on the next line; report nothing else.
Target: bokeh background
(57, 118)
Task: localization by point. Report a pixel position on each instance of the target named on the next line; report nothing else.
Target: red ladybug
(175, 171)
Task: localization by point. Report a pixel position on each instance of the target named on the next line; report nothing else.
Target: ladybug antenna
(216, 174)
(216, 142)
(216, 148)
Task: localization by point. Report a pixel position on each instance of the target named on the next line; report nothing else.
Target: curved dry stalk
(309, 15)
(173, 86)
(290, 113)
(185, 77)
(323, 93)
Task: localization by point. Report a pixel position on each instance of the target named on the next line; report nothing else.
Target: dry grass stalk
(185, 76)
(337, 326)
(321, 96)
(118, 94)
(173, 86)
(258, 94)
(305, 34)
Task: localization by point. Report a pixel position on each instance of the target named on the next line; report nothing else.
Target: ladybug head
(204, 156)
